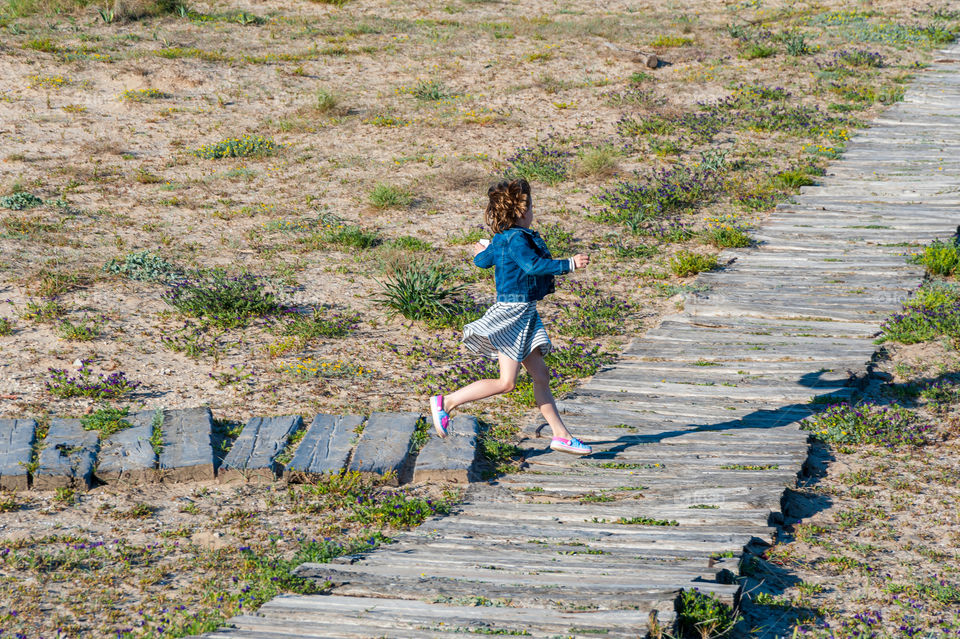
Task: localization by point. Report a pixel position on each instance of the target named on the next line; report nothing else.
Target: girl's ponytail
(508, 203)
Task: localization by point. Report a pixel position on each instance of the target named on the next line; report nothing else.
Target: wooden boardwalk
(695, 430)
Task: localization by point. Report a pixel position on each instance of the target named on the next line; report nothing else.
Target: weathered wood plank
(16, 449)
(252, 456)
(451, 458)
(326, 445)
(385, 444)
(127, 457)
(617, 623)
(187, 453)
(560, 595)
(68, 456)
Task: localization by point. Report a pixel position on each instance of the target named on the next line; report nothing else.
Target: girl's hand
(581, 260)
(478, 247)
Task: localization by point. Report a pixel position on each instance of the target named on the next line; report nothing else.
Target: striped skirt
(513, 329)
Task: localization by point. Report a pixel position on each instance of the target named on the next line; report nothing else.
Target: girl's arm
(532, 264)
(484, 258)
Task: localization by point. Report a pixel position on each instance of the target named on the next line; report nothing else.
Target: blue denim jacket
(523, 268)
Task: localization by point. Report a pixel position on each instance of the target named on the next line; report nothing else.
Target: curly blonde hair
(508, 203)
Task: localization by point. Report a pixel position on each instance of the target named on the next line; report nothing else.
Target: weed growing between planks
(701, 614)
(107, 420)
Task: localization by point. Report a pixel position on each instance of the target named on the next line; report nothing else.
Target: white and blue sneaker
(573, 446)
(440, 417)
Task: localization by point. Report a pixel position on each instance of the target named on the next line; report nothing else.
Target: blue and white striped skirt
(511, 328)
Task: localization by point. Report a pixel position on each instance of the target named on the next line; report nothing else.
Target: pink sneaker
(440, 417)
(573, 446)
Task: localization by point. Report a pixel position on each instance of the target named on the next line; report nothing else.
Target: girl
(511, 329)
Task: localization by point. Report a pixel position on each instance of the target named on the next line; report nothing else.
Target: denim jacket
(523, 267)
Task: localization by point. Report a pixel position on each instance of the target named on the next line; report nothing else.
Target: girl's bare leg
(483, 388)
(542, 394)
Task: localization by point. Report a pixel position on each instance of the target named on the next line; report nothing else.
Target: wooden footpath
(695, 430)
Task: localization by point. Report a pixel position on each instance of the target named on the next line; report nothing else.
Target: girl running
(511, 329)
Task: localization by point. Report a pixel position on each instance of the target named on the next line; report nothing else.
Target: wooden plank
(617, 623)
(127, 457)
(385, 445)
(187, 453)
(16, 449)
(612, 582)
(561, 596)
(68, 456)
(326, 445)
(450, 459)
(252, 456)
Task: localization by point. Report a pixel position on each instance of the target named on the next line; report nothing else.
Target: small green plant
(387, 121)
(8, 502)
(326, 101)
(85, 330)
(793, 180)
(6, 327)
(310, 368)
(65, 495)
(45, 45)
(350, 236)
(756, 50)
(421, 291)
(559, 241)
(431, 90)
(222, 300)
(385, 196)
(410, 243)
(703, 615)
(61, 384)
(664, 41)
(646, 521)
(685, 263)
(725, 235)
(470, 236)
(143, 266)
(320, 322)
(244, 146)
(542, 163)
(107, 420)
(865, 423)
(939, 258)
(156, 433)
(142, 95)
(796, 44)
(397, 509)
(20, 201)
(594, 313)
(598, 161)
(42, 312)
(932, 312)
(749, 467)
(140, 511)
(664, 147)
